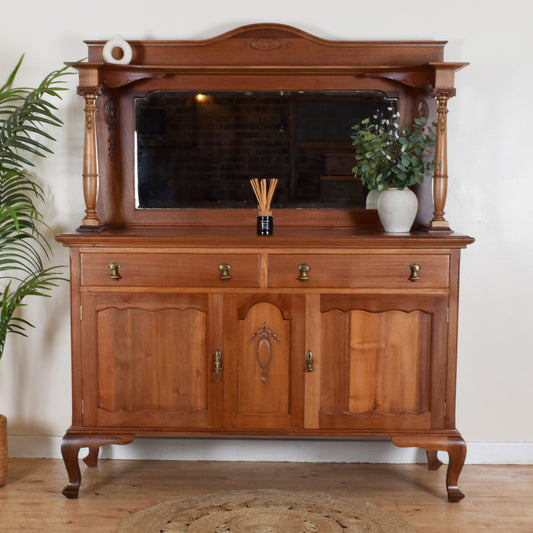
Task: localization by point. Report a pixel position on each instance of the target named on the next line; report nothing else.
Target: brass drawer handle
(415, 269)
(304, 269)
(224, 269)
(309, 361)
(114, 268)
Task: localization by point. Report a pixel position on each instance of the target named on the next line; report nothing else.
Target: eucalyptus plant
(389, 156)
(24, 250)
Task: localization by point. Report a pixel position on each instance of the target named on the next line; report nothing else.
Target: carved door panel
(381, 362)
(147, 360)
(263, 361)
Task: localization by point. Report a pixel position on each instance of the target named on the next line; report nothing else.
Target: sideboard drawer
(359, 271)
(169, 270)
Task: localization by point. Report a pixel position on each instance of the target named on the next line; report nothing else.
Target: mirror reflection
(199, 150)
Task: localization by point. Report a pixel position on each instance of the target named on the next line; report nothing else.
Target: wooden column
(91, 221)
(440, 177)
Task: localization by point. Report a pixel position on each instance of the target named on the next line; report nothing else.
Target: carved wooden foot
(70, 447)
(454, 445)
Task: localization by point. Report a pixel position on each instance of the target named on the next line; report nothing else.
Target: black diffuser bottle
(265, 225)
(264, 190)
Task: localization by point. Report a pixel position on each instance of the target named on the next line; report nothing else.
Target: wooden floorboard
(498, 498)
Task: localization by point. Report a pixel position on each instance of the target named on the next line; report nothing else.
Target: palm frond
(39, 283)
(24, 113)
(11, 78)
(34, 110)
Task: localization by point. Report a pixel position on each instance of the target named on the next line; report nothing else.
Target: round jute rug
(265, 511)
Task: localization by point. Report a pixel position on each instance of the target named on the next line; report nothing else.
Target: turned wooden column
(90, 160)
(440, 176)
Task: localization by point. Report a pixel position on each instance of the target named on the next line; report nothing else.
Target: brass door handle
(309, 361)
(114, 271)
(224, 269)
(415, 269)
(304, 269)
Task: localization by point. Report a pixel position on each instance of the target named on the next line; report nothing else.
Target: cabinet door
(148, 360)
(264, 361)
(380, 362)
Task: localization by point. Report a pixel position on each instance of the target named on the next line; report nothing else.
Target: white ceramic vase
(117, 42)
(397, 209)
(372, 199)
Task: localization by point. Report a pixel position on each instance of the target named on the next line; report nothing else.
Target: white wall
(489, 166)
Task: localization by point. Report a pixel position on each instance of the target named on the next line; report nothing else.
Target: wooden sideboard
(185, 322)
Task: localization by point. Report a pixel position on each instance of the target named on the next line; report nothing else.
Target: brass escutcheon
(309, 361)
(415, 269)
(114, 268)
(224, 269)
(304, 269)
(218, 364)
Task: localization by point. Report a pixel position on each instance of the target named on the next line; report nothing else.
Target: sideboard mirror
(200, 149)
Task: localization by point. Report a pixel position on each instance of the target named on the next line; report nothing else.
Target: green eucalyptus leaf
(390, 156)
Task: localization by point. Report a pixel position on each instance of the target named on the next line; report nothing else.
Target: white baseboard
(283, 450)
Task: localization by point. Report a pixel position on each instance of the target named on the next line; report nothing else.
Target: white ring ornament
(117, 42)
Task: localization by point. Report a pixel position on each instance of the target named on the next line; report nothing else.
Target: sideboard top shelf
(246, 237)
(279, 49)
(271, 43)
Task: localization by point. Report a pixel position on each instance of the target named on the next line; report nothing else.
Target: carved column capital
(440, 93)
(89, 91)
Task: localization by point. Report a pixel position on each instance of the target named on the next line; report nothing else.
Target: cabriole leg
(454, 445)
(70, 448)
(457, 454)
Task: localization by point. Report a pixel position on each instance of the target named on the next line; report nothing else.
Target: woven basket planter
(3, 449)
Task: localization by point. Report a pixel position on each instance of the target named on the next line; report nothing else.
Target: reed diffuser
(264, 191)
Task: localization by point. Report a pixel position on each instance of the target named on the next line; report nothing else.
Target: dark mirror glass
(199, 150)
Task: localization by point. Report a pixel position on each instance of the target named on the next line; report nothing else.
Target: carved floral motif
(265, 44)
(263, 338)
(111, 119)
(422, 108)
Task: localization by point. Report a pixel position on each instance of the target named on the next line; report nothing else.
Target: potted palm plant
(24, 250)
(390, 159)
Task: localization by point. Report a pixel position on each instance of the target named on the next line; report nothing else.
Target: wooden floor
(498, 498)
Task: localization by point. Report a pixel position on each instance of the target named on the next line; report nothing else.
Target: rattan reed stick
(264, 191)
